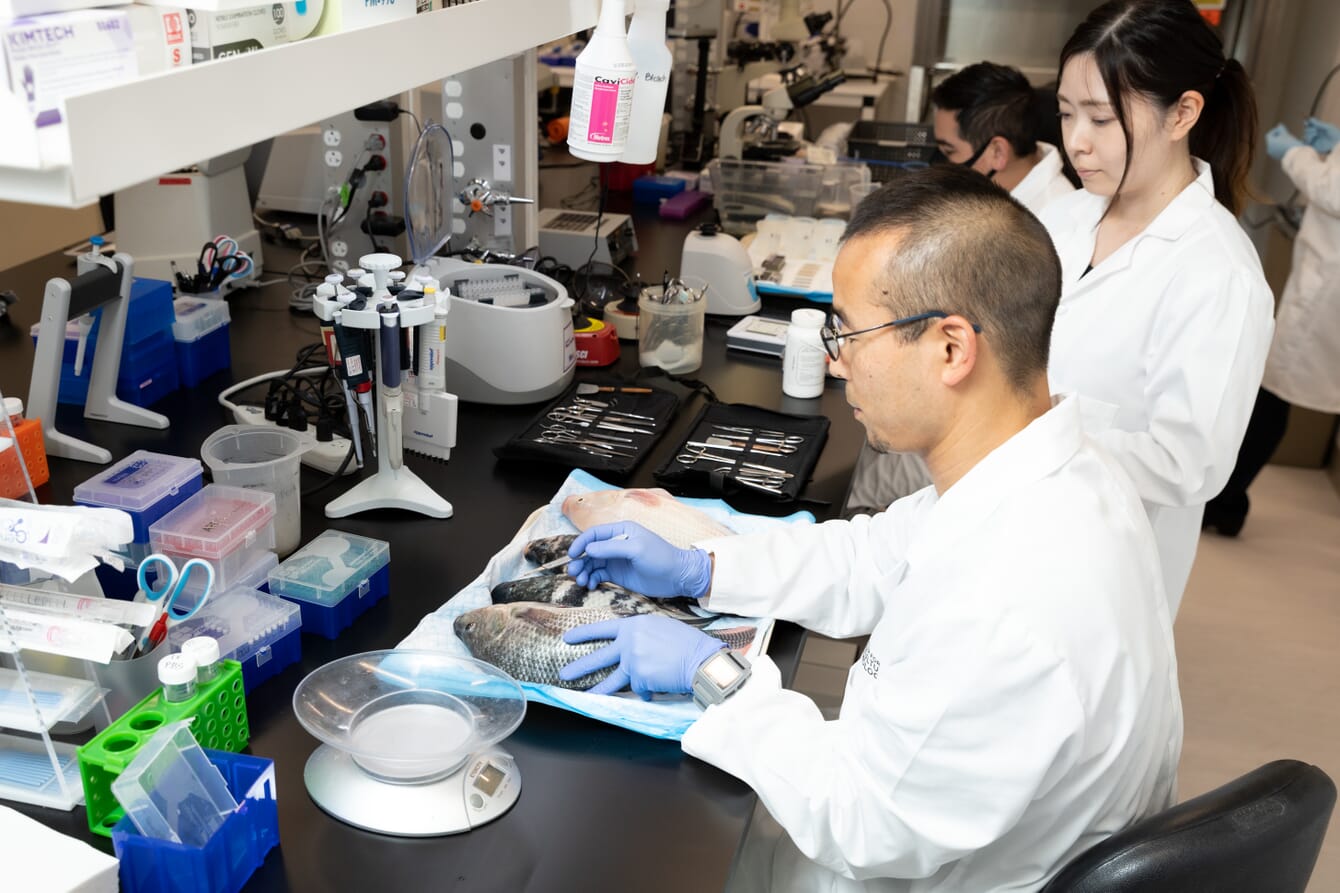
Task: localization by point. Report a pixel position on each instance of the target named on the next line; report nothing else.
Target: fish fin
(648, 497)
(735, 637)
(544, 616)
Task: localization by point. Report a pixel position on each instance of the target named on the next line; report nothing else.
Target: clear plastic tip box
(334, 579)
(227, 526)
(144, 485)
(259, 631)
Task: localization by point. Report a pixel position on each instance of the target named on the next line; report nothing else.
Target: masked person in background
(1304, 364)
(1017, 702)
(1165, 317)
(986, 119)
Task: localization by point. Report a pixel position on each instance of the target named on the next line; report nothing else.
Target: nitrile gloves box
(233, 32)
(53, 56)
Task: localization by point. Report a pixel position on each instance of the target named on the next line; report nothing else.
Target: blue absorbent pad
(664, 716)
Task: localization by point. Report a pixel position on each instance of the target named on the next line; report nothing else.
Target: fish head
(482, 626)
(583, 508)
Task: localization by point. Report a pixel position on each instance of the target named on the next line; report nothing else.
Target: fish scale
(566, 592)
(525, 640)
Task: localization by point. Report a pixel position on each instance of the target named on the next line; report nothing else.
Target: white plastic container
(602, 90)
(260, 457)
(646, 44)
(804, 360)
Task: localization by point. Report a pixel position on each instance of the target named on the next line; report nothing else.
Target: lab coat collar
(1035, 452)
(1036, 180)
(1182, 213)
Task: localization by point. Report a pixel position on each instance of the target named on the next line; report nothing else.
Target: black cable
(416, 119)
(595, 241)
(336, 475)
(879, 55)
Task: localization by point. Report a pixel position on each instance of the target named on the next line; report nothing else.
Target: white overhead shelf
(125, 134)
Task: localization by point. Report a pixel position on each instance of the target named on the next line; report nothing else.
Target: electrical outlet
(331, 136)
(334, 158)
(502, 220)
(502, 163)
(339, 248)
(326, 456)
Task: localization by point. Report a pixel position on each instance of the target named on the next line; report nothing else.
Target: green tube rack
(220, 712)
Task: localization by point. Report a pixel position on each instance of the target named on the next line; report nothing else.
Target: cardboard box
(346, 15)
(162, 37)
(215, 35)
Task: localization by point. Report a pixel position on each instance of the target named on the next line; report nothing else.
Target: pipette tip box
(334, 579)
(227, 526)
(144, 485)
(260, 631)
(201, 333)
(229, 858)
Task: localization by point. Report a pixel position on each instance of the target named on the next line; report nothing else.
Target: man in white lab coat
(986, 120)
(1017, 702)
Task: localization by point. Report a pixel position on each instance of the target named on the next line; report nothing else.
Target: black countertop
(601, 808)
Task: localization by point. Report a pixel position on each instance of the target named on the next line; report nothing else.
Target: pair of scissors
(171, 583)
(222, 259)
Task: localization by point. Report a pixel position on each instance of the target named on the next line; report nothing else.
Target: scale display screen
(489, 778)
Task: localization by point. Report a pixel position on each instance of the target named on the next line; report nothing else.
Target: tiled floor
(1258, 643)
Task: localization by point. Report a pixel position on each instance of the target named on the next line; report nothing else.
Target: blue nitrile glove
(640, 561)
(1320, 135)
(1279, 141)
(650, 654)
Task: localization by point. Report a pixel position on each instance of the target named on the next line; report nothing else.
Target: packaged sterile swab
(64, 636)
(80, 606)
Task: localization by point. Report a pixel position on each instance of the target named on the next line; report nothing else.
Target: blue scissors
(172, 581)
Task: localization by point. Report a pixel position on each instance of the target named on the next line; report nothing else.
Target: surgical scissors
(693, 455)
(740, 445)
(170, 592)
(764, 435)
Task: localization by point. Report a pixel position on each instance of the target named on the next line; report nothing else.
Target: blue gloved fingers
(598, 576)
(599, 533)
(695, 575)
(590, 632)
(615, 682)
(577, 568)
(601, 659)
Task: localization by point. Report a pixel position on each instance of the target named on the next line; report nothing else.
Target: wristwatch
(719, 677)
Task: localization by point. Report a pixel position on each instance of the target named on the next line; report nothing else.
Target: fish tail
(735, 637)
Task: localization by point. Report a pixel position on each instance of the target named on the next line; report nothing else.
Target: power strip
(323, 456)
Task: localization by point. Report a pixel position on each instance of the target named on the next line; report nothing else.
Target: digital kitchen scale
(409, 741)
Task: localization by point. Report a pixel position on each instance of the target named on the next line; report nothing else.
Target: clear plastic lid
(138, 481)
(196, 317)
(171, 790)
(243, 620)
(428, 193)
(330, 567)
(213, 523)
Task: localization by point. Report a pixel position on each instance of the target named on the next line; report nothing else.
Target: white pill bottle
(804, 360)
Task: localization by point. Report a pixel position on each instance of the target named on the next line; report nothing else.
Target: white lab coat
(1304, 363)
(1045, 183)
(1171, 331)
(1017, 701)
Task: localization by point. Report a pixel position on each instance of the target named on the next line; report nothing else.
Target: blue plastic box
(334, 579)
(144, 485)
(262, 632)
(234, 852)
(201, 333)
(650, 190)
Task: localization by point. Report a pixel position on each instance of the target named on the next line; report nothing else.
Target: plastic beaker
(671, 335)
(859, 191)
(261, 457)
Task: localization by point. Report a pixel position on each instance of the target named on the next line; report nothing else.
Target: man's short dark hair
(991, 100)
(965, 246)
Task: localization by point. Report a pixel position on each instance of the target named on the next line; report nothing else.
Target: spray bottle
(602, 90)
(646, 43)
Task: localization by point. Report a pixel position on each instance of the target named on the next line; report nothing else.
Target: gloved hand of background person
(649, 653)
(642, 562)
(1320, 135)
(1279, 141)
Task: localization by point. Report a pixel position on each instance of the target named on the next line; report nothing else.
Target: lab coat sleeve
(942, 758)
(1316, 176)
(1204, 364)
(822, 576)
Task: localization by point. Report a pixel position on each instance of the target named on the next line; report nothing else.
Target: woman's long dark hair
(1160, 49)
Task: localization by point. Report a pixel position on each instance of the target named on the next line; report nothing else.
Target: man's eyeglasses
(832, 338)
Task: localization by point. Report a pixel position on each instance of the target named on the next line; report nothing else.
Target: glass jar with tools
(670, 324)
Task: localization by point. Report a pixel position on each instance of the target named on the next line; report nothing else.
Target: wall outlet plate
(325, 456)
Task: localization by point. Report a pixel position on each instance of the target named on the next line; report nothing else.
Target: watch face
(721, 670)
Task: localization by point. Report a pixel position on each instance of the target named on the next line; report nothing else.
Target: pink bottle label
(604, 109)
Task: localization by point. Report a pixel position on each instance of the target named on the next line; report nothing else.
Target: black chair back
(1259, 833)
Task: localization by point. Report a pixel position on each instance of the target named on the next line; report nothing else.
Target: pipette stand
(101, 283)
(390, 487)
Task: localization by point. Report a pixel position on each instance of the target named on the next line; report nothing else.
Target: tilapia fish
(525, 640)
(656, 510)
(549, 548)
(566, 592)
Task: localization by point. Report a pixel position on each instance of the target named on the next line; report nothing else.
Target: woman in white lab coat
(1165, 314)
(1304, 364)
